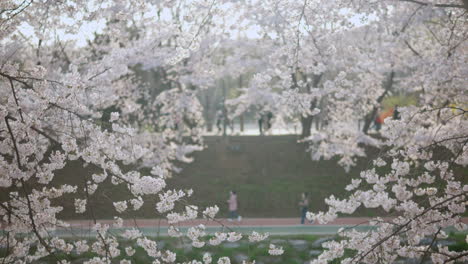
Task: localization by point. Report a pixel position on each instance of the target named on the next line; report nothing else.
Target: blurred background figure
(304, 206)
(232, 202)
(396, 113)
(219, 121)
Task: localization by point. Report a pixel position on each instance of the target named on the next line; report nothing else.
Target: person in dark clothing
(260, 124)
(396, 114)
(269, 117)
(304, 206)
(219, 120)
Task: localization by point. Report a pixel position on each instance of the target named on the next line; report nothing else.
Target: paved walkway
(274, 226)
(254, 222)
(223, 222)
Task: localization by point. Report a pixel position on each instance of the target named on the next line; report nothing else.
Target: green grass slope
(268, 172)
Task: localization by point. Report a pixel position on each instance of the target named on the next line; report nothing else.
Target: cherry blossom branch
(62, 49)
(445, 140)
(204, 22)
(15, 79)
(37, 130)
(18, 79)
(12, 9)
(453, 258)
(430, 245)
(184, 202)
(406, 224)
(410, 18)
(19, 11)
(31, 218)
(12, 213)
(99, 73)
(82, 117)
(436, 5)
(412, 49)
(296, 52)
(15, 147)
(16, 99)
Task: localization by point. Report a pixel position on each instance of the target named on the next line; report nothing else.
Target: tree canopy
(329, 63)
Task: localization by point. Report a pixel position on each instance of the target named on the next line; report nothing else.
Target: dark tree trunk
(318, 122)
(241, 121)
(368, 120)
(371, 116)
(307, 121)
(209, 126)
(207, 110)
(225, 124)
(241, 117)
(306, 125)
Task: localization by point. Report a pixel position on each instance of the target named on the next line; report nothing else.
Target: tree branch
(437, 5)
(15, 147)
(363, 255)
(412, 49)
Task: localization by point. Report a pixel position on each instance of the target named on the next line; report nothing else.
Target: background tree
(62, 103)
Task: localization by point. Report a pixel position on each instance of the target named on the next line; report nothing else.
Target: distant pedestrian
(230, 123)
(219, 120)
(396, 113)
(232, 202)
(378, 122)
(269, 117)
(260, 124)
(304, 206)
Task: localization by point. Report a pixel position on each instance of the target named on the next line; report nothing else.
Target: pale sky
(88, 29)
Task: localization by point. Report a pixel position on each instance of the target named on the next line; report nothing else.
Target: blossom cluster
(125, 108)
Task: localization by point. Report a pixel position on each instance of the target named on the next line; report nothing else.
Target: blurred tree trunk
(241, 117)
(307, 121)
(318, 119)
(306, 125)
(224, 108)
(209, 121)
(241, 121)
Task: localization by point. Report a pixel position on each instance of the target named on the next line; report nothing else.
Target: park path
(273, 226)
(250, 222)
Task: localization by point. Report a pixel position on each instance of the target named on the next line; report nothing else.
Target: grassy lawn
(268, 172)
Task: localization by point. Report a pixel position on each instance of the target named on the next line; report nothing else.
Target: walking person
(396, 113)
(219, 121)
(304, 206)
(378, 122)
(260, 124)
(269, 117)
(232, 202)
